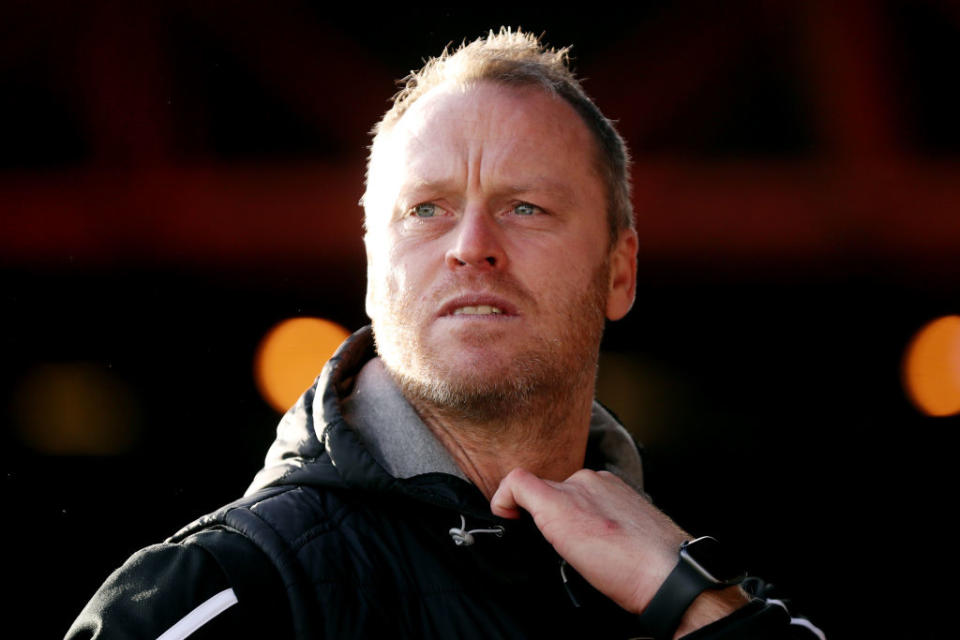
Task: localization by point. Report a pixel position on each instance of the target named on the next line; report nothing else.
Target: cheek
(394, 276)
(410, 267)
(573, 264)
(389, 286)
(381, 285)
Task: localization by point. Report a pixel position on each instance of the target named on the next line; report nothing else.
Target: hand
(619, 542)
(612, 536)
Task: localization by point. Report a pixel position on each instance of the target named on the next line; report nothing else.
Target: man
(457, 478)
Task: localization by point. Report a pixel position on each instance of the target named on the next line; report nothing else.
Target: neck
(545, 434)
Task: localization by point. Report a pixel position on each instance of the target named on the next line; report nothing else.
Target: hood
(316, 446)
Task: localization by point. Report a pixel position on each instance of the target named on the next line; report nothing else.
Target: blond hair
(516, 58)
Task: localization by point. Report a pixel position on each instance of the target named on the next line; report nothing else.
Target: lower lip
(480, 316)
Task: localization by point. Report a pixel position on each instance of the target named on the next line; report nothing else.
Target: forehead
(491, 132)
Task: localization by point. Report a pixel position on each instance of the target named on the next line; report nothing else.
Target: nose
(477, 243)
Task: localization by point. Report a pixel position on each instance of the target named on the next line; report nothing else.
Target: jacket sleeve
(766, 620)
(173, 590)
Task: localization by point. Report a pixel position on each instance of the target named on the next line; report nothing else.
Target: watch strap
(663, 615)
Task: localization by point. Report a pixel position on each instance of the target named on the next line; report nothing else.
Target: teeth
(480, 310)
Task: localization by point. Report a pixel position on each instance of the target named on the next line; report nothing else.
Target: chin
(481, 376)
(478, 397)
(480, 384)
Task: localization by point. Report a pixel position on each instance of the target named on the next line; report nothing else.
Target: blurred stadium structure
(177, 177)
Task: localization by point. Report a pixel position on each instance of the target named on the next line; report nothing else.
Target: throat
(546, 436)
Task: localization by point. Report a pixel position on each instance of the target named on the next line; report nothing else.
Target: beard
(537, 379)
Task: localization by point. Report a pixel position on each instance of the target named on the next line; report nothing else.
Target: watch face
(713, 560)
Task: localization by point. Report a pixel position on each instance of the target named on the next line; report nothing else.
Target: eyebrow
(543, 183)
(540, 183)
(424, 184)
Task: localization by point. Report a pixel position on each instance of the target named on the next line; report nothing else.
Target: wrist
(711, 606)
(697, 592)
(651, 580)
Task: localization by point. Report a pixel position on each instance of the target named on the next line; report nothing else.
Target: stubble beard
(537, 383)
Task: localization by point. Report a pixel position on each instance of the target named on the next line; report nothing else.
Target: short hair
(518, 59)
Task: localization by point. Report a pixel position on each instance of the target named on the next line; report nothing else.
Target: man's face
(489, 266)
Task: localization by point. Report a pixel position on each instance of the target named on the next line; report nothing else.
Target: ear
(623, 275)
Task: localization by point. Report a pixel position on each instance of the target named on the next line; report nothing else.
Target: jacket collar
(318, 444)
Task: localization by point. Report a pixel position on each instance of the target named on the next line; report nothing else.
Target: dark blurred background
(176, 177)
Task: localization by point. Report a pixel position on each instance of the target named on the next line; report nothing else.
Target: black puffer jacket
(360, 553)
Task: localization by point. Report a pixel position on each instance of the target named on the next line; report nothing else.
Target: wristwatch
(703, 564)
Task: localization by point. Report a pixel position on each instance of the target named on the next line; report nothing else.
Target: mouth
(479, 310)
(477, 306)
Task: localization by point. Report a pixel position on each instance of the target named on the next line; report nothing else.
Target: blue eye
(425, 210)
(524, 209)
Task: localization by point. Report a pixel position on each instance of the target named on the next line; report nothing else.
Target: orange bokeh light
(932, 367)
(291, 355)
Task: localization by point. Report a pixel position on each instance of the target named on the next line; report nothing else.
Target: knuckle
(516, 475)
(583, 475)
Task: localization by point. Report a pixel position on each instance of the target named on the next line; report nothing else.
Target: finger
(520, 489)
